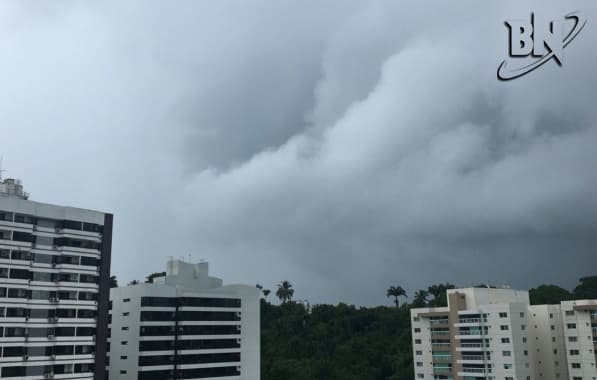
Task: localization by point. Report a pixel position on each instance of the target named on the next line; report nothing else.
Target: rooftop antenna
(1, 170)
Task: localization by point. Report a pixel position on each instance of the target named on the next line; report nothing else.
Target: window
(521, 314)
(503, 315)
(569, 313)
(125, 328)
(507, 366)
(572, 339)
(555, 351)
(125, 314)
(124, 342)
(124, 357)
(419, 353)
(571, 325)
(504, 327)
(524, 327)
(550, 315)
(574, 352)
(126, 300)
(417, 341)
(419, 364)
(553, 327)
(416, 319)
(123, 371)
(524, 339)
(417, 330)
(553, 339)
(420, 376)
(505, 340)
(526, 353)
(506, 353)
(576, 365)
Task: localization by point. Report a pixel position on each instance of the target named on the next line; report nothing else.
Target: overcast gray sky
(344, 146)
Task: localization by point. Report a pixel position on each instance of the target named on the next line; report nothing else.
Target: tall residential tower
(54, 288)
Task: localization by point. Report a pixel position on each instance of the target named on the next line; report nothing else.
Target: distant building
(186, 325)
(496, 334)
(54, 287)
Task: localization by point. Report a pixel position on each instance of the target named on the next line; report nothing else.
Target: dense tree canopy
(548, 294)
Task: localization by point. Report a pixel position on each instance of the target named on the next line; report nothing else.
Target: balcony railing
(475, 357)
(438, 322)
(440, 344)
(471, 345)
(472, 320)
(470, 332)
(476, 370)
(440, 333)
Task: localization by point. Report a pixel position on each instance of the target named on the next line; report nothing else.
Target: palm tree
(285, 291)
(439, 294)
(396, 291)
(266, 293)
(420, 298)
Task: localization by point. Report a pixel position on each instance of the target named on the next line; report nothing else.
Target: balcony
(475, 321)
(438, 322)
(440, 345)
(466, 359)
(467, 371)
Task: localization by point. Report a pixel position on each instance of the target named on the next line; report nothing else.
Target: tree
(135, 282)
(149, 279)
(113, 282)
(285, 291)
(396, 291)
(548, 294)
(587, 289)
(420, 299)
(438, 292)
(266, 293)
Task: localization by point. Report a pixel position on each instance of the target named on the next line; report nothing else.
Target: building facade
(488, 333)
(185, 325)
(54, 288)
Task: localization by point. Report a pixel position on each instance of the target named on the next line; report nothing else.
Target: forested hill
(345, 342)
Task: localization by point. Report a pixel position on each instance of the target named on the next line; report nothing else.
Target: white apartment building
(54, 281)
(580, 331)
(488, 333)
(185, 325)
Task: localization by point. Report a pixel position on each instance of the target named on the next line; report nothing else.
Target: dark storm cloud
(344, 146)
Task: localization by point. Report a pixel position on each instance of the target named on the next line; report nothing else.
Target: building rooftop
(11, 187)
